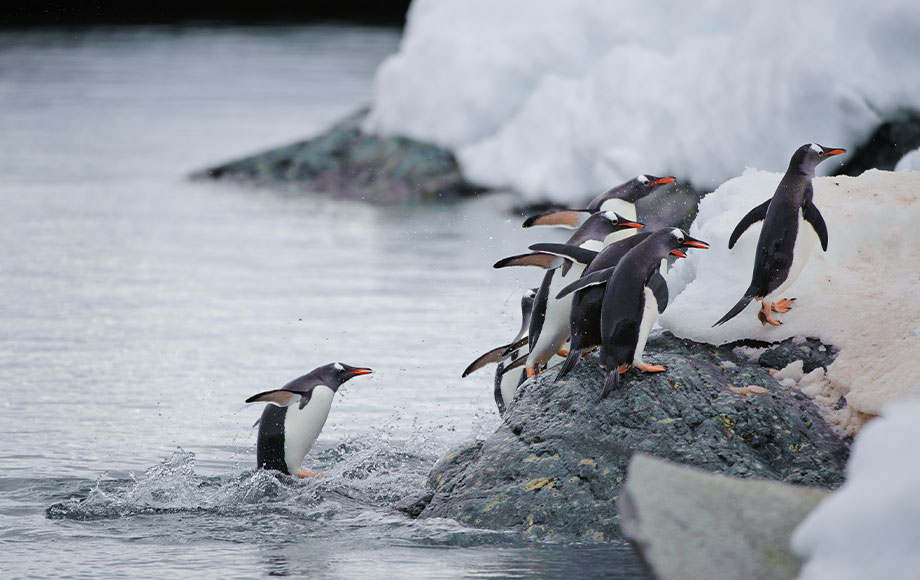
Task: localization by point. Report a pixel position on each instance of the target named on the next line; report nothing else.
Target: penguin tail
(737, 308)
(569, 363)
(612, 382)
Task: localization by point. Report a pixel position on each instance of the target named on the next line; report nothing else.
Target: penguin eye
(820, 153)
(680, 239)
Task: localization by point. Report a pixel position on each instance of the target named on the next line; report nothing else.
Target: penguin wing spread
(539, 259)
(557, 217)
(659, 288)
(592, 279)
(493, 356)
(568, 251)
(755, 215)
(813, 216)
(280, 397)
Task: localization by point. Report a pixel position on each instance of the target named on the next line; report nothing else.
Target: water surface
(139, 310)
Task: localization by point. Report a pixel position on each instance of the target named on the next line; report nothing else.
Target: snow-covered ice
(565, 99)
(869, 527)
(859, 296)
(910, 162)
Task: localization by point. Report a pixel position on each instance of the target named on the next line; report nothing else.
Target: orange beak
(697, 244)
(636, 225)
(836, 152)
(360, 372)
(678, 253)
(663, 181)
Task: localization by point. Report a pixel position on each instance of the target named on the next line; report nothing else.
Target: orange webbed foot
(623, 369)
(647, 368)
(765, 314)
(304, 474)
(563, 352)
(782, 305)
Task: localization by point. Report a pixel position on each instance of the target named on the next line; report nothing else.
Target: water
(140, 309)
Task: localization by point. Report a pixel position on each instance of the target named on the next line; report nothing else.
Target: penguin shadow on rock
(792, 225)
(294, 417)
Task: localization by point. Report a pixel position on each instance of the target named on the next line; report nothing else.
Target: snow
(859, 296)
(910, 162)
(565, 99)
(868, 528)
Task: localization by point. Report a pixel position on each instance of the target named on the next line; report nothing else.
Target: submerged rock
(558, 461)
(690, 525)
(350, 164)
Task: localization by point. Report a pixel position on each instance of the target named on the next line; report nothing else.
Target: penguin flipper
(516, 363)
(493, 356)
(569, 218)
(539, 259)
(813, 216)
(755, 215)
(569, 363)
(567, 251)
(592, 279)
(497, 389)
(659, 288)
(280, 397)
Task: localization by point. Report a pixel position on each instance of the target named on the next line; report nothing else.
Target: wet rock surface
(556, 465)
(349, 164)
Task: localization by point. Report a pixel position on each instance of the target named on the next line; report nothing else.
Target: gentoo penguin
(782, 249)
(588, 297)
(549, 323)
(633, 298)
(621, 199)
(505, 384)
(291, 423)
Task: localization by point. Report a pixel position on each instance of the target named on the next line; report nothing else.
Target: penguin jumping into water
(634, 295)
(506, 384)
(295, 416)
(621, 199)
(782, 249)
(549, 323)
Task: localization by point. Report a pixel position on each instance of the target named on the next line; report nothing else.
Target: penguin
(291, 423)
(782, 249)
(585, 316)
(549, 323)
(621, 199)
(505, 384)
(634, 296)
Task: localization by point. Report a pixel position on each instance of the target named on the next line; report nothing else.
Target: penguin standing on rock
(549, 323)
(621, 199)
(295, 416)
(634, 296)
(782, 249)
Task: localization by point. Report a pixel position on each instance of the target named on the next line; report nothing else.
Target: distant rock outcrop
(558, 461)
(347, 163)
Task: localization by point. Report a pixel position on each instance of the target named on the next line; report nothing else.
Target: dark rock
(812, 353)
(687, 524)
(350, 164)
(891, 140)
(558, 461)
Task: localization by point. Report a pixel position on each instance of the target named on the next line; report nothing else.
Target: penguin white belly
(302, 426)
(509, 384)
(625, 208)
(555, 329)
(649, 316)
(805, 243)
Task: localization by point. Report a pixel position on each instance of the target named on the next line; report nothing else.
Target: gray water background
(138, 310)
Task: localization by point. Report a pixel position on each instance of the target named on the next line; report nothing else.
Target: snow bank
(859, 296)
(910, 162)
(868, 528)
(564, 99)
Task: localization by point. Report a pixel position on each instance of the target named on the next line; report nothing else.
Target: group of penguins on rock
(604, 287)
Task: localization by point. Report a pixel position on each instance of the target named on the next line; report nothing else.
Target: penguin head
(600, 225)
(527, 301)
(334, 375)
(631, 191)
(618, 222)
(677, 240)
(809, 155)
